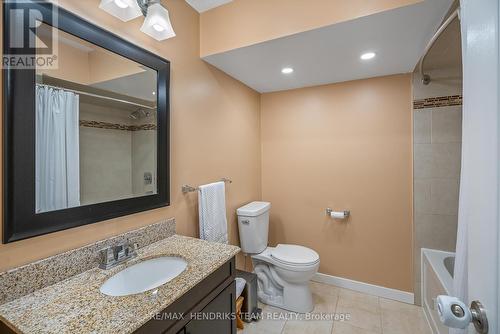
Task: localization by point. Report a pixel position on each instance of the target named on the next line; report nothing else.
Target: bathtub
(437, 279)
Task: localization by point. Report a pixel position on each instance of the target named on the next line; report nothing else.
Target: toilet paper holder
(343, 214)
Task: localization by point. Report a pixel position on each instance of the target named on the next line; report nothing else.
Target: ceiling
(446, 52)
(204, 5)
(140, 85)
(331, 54)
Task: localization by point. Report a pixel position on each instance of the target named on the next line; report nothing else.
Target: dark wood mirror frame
(19, 219)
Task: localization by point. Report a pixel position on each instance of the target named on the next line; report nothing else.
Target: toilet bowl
(283, 279)
(283, 271)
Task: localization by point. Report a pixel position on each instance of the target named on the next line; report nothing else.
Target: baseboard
(376, 290)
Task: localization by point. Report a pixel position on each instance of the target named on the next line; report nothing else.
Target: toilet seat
(294, 255)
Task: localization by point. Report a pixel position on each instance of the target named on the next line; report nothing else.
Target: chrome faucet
(115, 255)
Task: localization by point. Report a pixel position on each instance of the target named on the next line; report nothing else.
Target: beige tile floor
(367, 315)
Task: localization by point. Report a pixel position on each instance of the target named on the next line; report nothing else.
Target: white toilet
(283, 271)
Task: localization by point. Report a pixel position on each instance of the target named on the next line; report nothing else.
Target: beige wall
(105, 65)
(242, 22)
(73, 65)
(215, 126)
(90, 64)
(345, 146)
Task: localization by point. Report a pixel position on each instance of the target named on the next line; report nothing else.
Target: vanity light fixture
(157, 20)
(157, 23)
(121, 4)
(368, 56)
(287, 70)
(125, 10)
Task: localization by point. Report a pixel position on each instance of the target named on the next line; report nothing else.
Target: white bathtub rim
(436, 258)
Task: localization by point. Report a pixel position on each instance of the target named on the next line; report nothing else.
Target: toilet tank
(253, 225)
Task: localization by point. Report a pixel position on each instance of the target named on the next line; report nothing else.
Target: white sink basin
(144, 276)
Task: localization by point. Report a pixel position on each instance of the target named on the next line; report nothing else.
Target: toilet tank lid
(254, 209)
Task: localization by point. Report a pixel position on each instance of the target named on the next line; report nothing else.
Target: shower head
(141, 113)
(134, 115)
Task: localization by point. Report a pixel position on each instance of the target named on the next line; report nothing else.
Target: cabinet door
(218, 316)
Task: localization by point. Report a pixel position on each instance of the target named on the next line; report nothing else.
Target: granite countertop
(76, 305)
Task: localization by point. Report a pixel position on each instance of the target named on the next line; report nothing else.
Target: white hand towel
(212, 211)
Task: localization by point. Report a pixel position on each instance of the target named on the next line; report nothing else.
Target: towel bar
(189, 189)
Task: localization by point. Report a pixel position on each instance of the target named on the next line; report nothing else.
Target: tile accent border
(376, 290)
(116, 126)
(26, 279)
(436, 102)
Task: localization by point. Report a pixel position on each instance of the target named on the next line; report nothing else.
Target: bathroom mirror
(95, 138)
(86, 135)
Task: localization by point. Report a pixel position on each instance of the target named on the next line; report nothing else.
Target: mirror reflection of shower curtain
(57, 149)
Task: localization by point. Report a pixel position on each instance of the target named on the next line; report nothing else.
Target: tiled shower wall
(437, 147)
(437, 161)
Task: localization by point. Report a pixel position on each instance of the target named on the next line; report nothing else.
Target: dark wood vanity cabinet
(209, 307)
(221, 306)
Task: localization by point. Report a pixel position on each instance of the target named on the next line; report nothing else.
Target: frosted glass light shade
(125, 10)
(157, 23)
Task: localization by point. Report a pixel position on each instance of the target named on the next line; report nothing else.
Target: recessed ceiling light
(368, 56)
(287, 70)
(154, 93)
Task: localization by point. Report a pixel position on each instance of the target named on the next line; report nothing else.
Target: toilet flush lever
(245, 221)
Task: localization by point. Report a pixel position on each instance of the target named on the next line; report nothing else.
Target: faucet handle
(107, 257)
(132, 243)
(132, 246)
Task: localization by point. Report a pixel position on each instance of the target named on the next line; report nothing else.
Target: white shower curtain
(57, 149)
